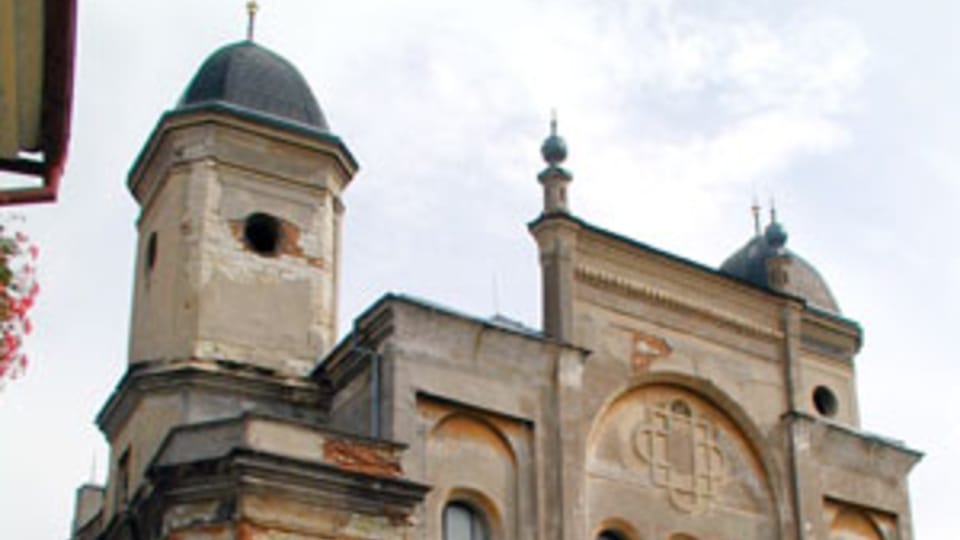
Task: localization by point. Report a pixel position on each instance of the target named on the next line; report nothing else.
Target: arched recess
(620, 528)
(469, 459)
(851, 524)
(480, 507)
(670, 451)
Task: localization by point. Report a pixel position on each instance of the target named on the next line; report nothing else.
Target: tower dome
(251, 79)
(765, 261)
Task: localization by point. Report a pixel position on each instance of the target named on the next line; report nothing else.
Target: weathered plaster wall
(210, 293)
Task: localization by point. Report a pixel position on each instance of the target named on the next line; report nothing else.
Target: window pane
(479, 527)
(461, 522)
(456, 521)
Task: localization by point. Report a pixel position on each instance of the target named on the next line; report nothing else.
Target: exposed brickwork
(647, 349)
(289, 242)
(359, 457)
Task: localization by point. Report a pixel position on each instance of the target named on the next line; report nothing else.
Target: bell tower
(239, 235)
(237, 267)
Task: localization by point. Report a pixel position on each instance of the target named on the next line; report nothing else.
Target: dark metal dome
(250, 78)
(766, 262)
(554, 148)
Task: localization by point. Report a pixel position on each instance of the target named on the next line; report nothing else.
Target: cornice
(608, 280)
(215, 375)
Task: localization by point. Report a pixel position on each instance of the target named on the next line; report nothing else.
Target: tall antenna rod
(252, 8)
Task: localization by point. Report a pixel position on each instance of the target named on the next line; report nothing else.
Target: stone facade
(662, 400)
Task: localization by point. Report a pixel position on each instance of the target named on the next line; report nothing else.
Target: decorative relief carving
(682, 453)
(668, 456)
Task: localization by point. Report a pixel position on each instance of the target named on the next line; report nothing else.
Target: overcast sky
(676, 113)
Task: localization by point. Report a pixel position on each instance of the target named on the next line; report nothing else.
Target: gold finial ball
(252, 7)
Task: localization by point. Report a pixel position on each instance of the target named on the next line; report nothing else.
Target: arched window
(464, 522)
(610, 535)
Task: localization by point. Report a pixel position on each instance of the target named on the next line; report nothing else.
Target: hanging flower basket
(18, 291)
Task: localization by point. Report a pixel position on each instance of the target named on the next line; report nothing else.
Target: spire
(775, 234)
(554, 178)
(252, 8)
(755, 210)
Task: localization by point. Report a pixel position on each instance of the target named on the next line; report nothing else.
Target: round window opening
(262, 233)
(151, 251)
(825, 401)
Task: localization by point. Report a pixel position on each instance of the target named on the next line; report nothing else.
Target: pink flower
(17, 297)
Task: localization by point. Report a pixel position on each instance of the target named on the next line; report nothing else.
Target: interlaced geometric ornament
(682, 453)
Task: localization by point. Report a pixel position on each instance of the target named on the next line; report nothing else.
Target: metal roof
(248, 76)
(751, 263)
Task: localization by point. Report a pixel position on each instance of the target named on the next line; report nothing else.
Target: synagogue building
(662, 399)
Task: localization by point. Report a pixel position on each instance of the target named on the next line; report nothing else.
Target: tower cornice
(222, 115)
(237, 379)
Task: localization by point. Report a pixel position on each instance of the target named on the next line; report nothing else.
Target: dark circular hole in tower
(262, 233)
(825, 401)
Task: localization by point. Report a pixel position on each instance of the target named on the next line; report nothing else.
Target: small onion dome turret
(251, 79)
(765, 261)
(554, 148)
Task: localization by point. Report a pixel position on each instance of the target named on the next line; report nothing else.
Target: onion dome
(554, 152)
(249, 79)
(766, 262)
(554, 148)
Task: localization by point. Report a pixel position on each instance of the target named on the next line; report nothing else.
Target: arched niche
(854, 524)
(616, 528)
(469, 459)
(469, 515)
(672, 454)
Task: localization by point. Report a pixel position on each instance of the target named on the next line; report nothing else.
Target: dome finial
(755, 210)
(252, 8)
(554, 148)
(554, 178)
(775, 234)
